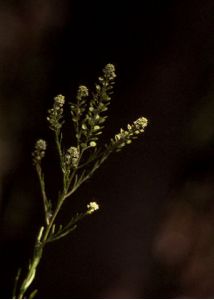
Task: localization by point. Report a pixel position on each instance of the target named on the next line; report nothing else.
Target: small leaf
(33, 294)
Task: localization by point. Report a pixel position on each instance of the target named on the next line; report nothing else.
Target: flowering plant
(77, 163)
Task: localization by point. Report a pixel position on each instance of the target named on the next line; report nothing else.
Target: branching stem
(76, 166)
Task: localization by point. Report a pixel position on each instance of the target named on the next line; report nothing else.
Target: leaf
(62, 234)
(33, 294)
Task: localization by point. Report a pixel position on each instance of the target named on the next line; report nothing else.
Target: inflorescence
(39, 151)
(77, 162)
(55, 114)
(125, 137)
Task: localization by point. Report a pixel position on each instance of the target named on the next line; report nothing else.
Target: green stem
(44, 196)
(37, 254)
(58, 144)
(49, 227)
(16, 283)
(42, 240)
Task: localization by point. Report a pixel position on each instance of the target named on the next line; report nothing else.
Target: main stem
(38, 250)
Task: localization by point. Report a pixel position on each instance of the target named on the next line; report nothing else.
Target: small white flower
(41, 145)
(141, 123)
(59, 100)
(82, 91)
(93, 144)
(109, 71)
(92, 206)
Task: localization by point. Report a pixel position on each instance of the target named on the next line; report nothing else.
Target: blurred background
(154, 234)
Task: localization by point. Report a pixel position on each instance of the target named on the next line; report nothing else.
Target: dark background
(154, 234)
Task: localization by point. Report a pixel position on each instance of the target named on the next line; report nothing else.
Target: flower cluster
(78, 108)
(126, 136)
(55, 114)
(39, 151)
(72, 158)
(109, 72)
(82, 92)
(92, 124)
(92, 207)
